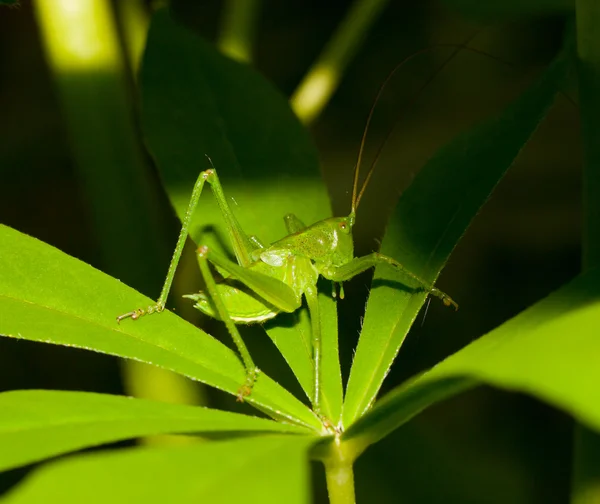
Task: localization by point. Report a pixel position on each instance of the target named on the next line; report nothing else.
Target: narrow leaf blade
(550, 351)
(430, 218)
(37, 424)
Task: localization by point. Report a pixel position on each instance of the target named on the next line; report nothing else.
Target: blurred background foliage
(486, 446)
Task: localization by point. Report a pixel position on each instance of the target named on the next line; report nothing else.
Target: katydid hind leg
(211, 286)
(242, 245)
(272, 290)
(183, 234)
(257, 242)
(360, 264)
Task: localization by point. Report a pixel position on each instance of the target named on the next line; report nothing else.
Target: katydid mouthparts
(268, 279)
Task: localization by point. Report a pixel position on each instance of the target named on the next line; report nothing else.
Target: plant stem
(84, 56)
(238, 29)
(323, 78)
(586, 471)
(338, 458)
(340, 483)
(134, 24)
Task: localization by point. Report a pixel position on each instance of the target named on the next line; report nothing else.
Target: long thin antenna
(356, 196)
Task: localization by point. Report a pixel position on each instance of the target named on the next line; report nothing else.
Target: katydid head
(342, 243)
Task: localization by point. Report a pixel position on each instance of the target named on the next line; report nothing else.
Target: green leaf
(331, 373)
(294, 339)
(430, 218)
(196, 102)
(48, 296)
(266, 469)
(511, 8)
(37, 424)
(550, 351)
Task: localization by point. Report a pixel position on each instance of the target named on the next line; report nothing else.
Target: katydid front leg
(360, 264)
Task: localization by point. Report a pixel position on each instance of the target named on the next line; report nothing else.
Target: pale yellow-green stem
(323, 78)
(338, 458)
(84, 55)
(239, 21)
(135, 21)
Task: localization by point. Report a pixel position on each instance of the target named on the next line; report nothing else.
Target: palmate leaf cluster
(196, 101)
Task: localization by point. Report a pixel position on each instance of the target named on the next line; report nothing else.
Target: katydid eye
(343, 226)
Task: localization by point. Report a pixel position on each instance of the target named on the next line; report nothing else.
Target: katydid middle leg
(360, 264)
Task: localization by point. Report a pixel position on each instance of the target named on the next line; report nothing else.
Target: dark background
(486, 446)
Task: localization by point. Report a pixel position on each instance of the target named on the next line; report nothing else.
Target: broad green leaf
(37, 424)
(549, 351)
(428, 221)
(266, 469)
(48, 296)
(511, 8)
(196, 102)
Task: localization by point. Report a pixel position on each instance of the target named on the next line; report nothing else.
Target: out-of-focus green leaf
(37, 424)
(550, 351)
(265, 469)
(492, 9)
(196, 102)
(430, 218)
(48, 296)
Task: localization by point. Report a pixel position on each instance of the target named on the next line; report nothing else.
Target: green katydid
(269, 279)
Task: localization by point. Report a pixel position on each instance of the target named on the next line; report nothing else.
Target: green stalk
(134, 22)
(323, 78)
(126, 211)
(238, 29)
(586, 470)
(338, 458)
(83, 52)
